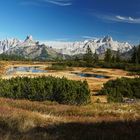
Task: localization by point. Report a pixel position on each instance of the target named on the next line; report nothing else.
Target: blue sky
(70, 20)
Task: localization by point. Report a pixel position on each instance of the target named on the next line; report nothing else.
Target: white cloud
(116, 18)
(123, 19)
(42, 2)
(128, 19)
(59, 2)
(89, 37)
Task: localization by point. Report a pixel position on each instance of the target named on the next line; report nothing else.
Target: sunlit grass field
(23, 119)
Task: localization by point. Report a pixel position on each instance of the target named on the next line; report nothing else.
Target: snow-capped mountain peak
(107, 39)
(28, 41)
(8, 43)
(99, 45)
(29, 38)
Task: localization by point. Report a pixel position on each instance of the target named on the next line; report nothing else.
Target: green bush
(46, 88)
(120, 88)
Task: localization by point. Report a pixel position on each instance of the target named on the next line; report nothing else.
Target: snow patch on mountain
(98, 45)
(11, 46)
(8, 43)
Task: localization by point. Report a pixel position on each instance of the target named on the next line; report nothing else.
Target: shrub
(46, 88)
(120, 88)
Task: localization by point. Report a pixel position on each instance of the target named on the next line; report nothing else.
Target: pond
(32, 69)
(90, 75)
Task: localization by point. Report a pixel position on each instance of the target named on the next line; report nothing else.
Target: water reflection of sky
(25, 69)
(91, 75)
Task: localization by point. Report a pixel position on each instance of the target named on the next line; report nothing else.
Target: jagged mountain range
(29, 49)
(52, 49)
(98, 45)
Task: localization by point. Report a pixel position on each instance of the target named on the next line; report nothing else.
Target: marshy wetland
(25, 119)
(95, 77)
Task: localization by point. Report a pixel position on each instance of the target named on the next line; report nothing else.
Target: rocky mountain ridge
(98, 45)
(34, 49)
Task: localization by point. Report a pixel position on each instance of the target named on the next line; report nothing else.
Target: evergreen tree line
(136, 55)
(90, 58)
(117, 89)
(11, 57)
(111, 60)
(49, 88)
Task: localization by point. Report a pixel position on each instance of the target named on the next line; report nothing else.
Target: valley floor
(27, 120)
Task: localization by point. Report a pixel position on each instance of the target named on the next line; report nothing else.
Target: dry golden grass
(82, 113)
(23, 120)
(41, 120)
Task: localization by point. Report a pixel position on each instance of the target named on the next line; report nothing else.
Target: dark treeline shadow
(127, 130)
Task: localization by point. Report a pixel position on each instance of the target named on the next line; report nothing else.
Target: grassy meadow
(25, 120)
(22, 119)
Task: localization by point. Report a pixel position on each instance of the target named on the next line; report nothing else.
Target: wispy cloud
(116, 18)
(89, 37)
(119, 18)
(42, 2)
(59, 2)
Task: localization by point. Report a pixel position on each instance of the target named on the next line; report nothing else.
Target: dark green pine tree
(108, 56)
(76, 59)
(138, 53)
(134, 57)
(118, 59)
(95, 57)
(88, 57)
(113, 59)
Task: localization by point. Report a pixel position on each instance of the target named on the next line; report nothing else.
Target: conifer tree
(108, 56)
(88, 57)
(134, 58)
(113, 59)
(95, 57)
(138, 53)
(118, 59)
